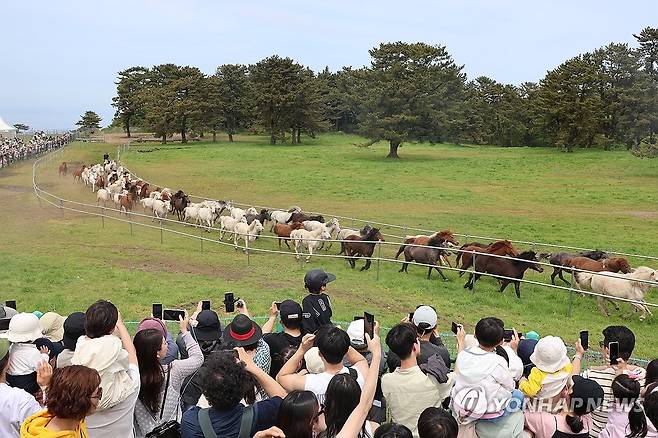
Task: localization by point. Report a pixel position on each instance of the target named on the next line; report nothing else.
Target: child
(627, 419)
(316, 307)
(552, 369)
(25, 356)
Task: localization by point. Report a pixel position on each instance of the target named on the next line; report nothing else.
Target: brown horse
(63, 169)
(499, 247)
(301, 217)
(422, 239)
(77, 173)
(430, 254)
(615, 264)
(100, 182)
(283, 231)
(362, 246)
(127, 201)
(559, 259)
(144, 191)
(179, 201)
(496, 266)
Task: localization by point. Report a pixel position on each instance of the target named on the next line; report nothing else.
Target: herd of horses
(313, 232)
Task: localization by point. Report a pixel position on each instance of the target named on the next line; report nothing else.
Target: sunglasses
(99, 393)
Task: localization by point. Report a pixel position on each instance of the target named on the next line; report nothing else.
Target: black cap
(54, 348)
(586, 395)
(290, 311)
(208, 327)
(242, 331)
(74, 327)
(316, 278)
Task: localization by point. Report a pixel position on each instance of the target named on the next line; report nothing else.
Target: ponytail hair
(627, 393)
(575, 423)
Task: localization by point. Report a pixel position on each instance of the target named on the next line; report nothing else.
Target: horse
(127, 201)
(144, 192)
(615, 264)
(246, 232)
(263, 216)
(560, 258)
(179, 201)
(63, 169)
(309, 238)
(362, 246)
(499, 247)
(422, 239)
(77, 173)
(429, 254)
(301, 217)
(283, 231)
(344, 232)
(497, 266)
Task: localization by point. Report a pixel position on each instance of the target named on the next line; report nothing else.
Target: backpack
(248, 415)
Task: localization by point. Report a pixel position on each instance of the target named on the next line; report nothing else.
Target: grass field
(64, 261)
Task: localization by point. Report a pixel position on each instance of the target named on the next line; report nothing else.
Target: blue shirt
(226, 423)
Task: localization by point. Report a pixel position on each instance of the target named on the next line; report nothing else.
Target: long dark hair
(147, 344)
(342, 397)
(652, 373)
(297, 413)
(627, 394)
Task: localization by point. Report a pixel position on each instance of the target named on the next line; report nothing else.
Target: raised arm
(271, 386)
(268, 327)
(357, 360)
(126, 341)
(288, 377)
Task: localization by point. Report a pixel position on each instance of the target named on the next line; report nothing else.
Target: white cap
(425, 315)
(314, 363)
(355, 331)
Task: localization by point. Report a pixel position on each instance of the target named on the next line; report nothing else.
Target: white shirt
(317, 383)
(15, 406)
(116, 421)
(24, 359)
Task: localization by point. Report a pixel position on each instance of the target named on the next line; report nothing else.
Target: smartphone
(157, 310)
(11, 303)
(584, 339)
(172, 314)
(411, 317)
(229, 302)
(368, 325)
(278, 305)
(356, 318)
(508, 335)
(613, 348)
(205, 305)
(455, 327)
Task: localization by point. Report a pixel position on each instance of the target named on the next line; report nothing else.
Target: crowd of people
(13, 149)
(301, 376)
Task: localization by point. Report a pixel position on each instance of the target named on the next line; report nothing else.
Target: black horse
(498, 266)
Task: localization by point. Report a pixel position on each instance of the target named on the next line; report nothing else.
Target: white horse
(309, 238)
(332, 227)
(227, 225)
(248, 233)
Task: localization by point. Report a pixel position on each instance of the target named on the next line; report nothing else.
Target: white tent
(6, 130)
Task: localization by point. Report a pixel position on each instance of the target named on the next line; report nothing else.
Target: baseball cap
(586, 395)
(74, 328)
(355, 331)
(426, 316)
(316, 278)
(290, 311)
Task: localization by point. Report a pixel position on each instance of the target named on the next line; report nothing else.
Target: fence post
(201, 240)
(379, 257)
(248, 256)
(131, 228)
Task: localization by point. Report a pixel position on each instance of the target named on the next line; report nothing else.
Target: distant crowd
(15, 149)
(301, 376)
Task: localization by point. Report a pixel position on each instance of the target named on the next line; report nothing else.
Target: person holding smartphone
(290, 314)
(604, 375)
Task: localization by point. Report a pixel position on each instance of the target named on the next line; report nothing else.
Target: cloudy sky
(61, 57)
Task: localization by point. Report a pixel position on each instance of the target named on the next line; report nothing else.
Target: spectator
(333, 345)
(6, 313)
(626, 418)
(52, 326)
(15, 404)
(223, 386)
(25, 356)
(300, 415)
(552, 369)
(526, 348)
(74, 328)
(115, 360)
(243, 332)
(316, 305)
(408, 391)
(575, 420)
(392, 430)
(172, 346)
(159, 392)
(437, 423)
(73, 394)
(605, 375)
(291, 318)
(651, 408)
(652, 373)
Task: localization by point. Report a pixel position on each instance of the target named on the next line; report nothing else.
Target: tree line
(410, 92)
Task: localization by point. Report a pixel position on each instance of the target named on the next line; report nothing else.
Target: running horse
(63, 169)
(362, 246)
(421, 239)
(499, 247)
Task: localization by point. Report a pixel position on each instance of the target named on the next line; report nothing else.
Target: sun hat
(586, 395)
(314, 363)
(290, 311)
(52, 326)
(355, 331)
(152, 323)
(242, 331)
(24, 327)
(208, 327)
(550, 354)
(74, 328)
(4, 347)
(425, 315)
(316, 278)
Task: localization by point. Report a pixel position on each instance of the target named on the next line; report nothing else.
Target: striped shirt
(604, 377)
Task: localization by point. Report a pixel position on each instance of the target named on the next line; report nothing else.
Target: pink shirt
(542, 424)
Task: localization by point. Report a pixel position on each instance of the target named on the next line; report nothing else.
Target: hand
(461, 334)
(272, 432)
(44, 374)
(374, 344)
(514, 342)
(579, 348)
(184, 323)
(199, 307)
(120, 321)
(44, 350)
(241, 307)
(273, 310)
(405, 320)
(243, 356)
(307, 342)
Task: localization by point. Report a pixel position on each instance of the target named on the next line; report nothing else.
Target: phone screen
(11, 303)
(229, 302)
(455, 327)
(278, 306)
(613, 347)
(205, 305)
(172, 314)
(157, 310)
(507, 335)
(368, 324)
(411, 317)
(584, 339)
